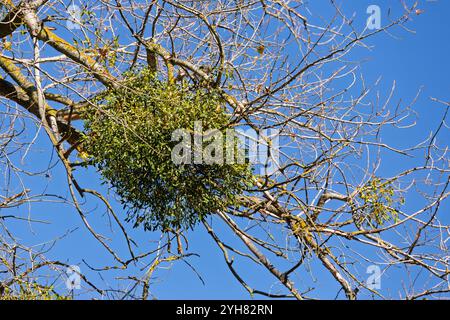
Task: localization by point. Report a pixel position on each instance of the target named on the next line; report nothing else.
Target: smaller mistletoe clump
(30, 291)
(379, 201)
(129, 140)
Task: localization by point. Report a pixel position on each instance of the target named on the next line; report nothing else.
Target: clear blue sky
(412, 60)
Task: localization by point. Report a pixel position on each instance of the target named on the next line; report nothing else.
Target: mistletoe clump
(378, 197)
(129, 140)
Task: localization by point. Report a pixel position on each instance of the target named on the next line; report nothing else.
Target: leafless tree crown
(328, 212)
